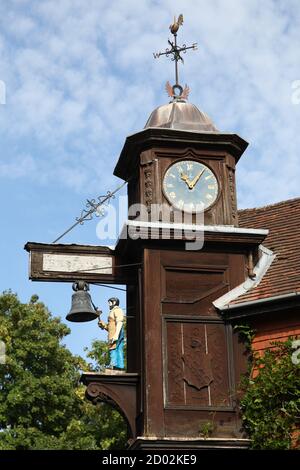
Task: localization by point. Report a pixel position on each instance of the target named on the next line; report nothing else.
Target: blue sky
(80, 77)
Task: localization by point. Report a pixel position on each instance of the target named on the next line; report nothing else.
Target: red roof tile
(283, 221)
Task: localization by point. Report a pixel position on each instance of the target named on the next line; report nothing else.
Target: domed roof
(180, 115)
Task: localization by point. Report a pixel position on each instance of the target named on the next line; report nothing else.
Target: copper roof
(283, 221)
(180, 115)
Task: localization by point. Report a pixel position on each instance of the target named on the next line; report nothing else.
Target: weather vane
(176, 91)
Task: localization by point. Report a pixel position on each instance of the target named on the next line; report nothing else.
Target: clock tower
(184, 358)
(182, 162)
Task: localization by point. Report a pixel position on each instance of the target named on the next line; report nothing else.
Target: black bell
(81, 309)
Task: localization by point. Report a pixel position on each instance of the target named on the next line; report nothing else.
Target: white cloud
(80, 77)
(22, 165)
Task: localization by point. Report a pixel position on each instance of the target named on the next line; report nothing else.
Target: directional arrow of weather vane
(93, 207)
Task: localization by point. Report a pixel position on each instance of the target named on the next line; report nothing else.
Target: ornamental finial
(176, 91)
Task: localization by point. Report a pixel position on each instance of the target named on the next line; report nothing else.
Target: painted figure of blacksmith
(115, 329)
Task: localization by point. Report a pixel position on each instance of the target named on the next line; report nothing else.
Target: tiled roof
(283, 221)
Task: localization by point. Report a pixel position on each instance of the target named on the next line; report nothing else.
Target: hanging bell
(81, 309)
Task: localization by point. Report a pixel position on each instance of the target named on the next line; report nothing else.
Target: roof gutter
(265, 260)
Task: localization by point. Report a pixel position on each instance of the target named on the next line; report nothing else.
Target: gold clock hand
(196, 179)
(185, 178)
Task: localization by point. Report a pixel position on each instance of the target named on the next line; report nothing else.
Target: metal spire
(176, 91)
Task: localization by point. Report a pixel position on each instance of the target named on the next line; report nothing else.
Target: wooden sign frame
(66, 263)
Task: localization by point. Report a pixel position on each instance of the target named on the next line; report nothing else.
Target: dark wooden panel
(133, 329)
(190, 423)
(191, 281)
(196, 365)
(192, 286)
(186, 259)
(188, 354)
(174, 366)
(197, 374)
(216, 344)
(153, 357)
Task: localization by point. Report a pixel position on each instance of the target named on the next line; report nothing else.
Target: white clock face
(190, 186)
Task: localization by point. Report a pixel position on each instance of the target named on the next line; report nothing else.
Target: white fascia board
(203, 228)
(264, 262)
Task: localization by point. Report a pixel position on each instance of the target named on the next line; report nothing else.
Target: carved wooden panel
(232, 192)
(196, 364)
(219, 387)
(148, 185)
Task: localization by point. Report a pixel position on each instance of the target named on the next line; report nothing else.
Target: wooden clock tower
(188, 359)
(184, 359)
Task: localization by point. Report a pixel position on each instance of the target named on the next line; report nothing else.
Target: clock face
(190, 186)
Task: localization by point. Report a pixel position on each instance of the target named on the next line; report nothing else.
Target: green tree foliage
(42, 405)
(271, 400)
(99, 353)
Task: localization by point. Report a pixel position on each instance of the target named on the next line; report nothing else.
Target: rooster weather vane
(176, 91)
